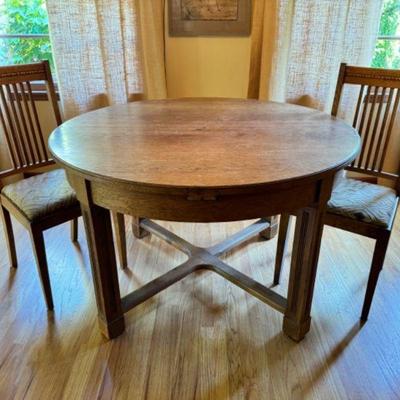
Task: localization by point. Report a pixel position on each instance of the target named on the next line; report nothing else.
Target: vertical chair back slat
(390, 130)
(375, 137)
(24, 128)
(9, 127)
(37, 123)
(374, 116)
(52, 94)
(361, 125)
(360, 97)
(9, 138)
(19, 133)
(19, 116)
(31, 129)
(368, 139)
(382, 132)
(357, 112)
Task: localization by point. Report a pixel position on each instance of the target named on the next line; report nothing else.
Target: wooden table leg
(137, 230)
(104, 269)
(306, 248)
(272, 231)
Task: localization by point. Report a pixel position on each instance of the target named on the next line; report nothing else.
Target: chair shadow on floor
(11, 279)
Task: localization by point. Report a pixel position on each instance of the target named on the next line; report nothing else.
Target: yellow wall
(207, 66)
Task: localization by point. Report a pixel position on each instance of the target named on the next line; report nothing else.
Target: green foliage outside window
(387, 52)
(24, 17)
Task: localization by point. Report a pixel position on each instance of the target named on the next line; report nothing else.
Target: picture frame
(209, 17)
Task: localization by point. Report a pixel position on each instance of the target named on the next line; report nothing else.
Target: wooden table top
(204, 143)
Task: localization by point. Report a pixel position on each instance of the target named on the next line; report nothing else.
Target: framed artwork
(209, 17)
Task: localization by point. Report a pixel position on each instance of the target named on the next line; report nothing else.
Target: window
(24, 32)
(387, 50)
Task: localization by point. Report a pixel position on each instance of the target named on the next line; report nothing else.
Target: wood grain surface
(204, 160)
(204, 143)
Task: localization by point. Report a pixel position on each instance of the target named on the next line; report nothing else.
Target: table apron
(185, 207)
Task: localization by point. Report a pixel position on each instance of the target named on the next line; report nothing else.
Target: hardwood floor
(202, 338)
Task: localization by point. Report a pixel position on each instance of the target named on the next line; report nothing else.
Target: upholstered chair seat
(41, 195)
(362, 201)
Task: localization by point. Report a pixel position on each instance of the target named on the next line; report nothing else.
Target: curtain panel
(298, 45)
(107, 51)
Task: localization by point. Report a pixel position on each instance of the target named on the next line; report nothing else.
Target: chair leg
(376, 267)
(120, 238)
(41, 263)
(8, 231)
(74, 230)
(281, 246)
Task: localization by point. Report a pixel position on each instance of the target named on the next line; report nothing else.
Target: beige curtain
(263, 47)
(107, 51)
(298, 45)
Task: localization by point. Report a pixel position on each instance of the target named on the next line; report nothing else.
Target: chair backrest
(375, 113)
(19, 117)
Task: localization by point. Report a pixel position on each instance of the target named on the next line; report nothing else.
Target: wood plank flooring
(203, 338)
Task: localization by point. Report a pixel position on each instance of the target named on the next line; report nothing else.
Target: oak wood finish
(204, 258)
(6, 219)
(119, 227)
(203, 160)
(375, 112)
(74, 230)
(100, 241)
(186, 143)
(27, 150)
(137, 230)
(26, 147)
(272, 230)
(304, 264)
(19, 117)
(41, 262)
(284, 226)
(203, 338)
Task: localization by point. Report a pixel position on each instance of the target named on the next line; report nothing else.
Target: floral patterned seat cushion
(363, 201)
(41, 195)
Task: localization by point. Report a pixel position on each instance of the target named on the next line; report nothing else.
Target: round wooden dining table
(204, 160)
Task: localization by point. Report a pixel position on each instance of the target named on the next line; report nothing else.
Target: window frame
(388, 37)
(395, 36)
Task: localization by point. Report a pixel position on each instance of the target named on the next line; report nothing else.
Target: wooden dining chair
(42, 200)
(357, 206)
